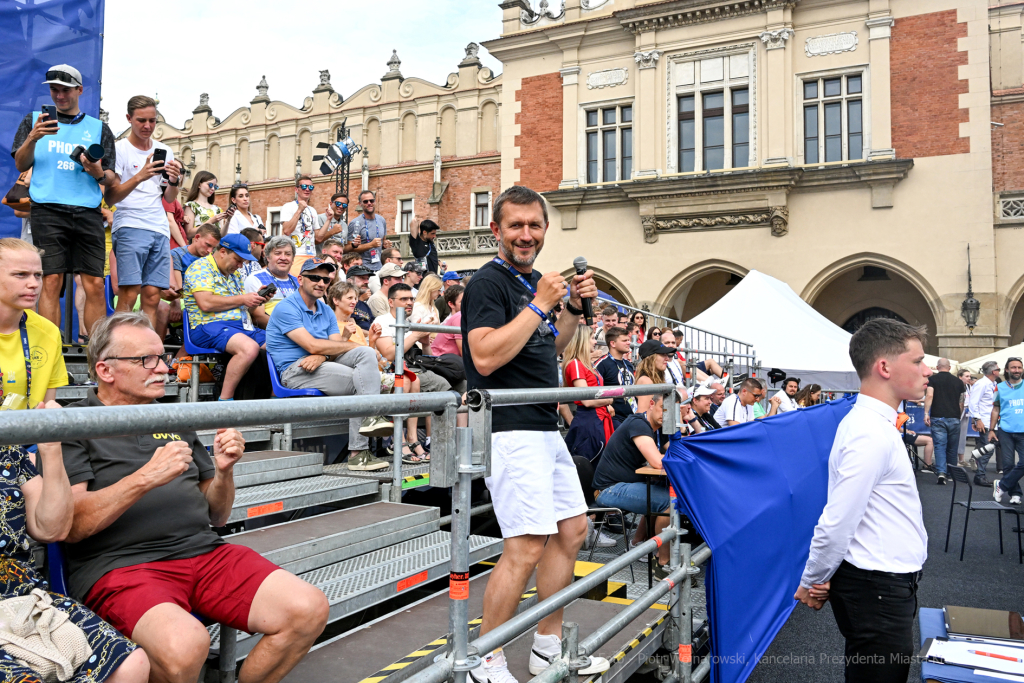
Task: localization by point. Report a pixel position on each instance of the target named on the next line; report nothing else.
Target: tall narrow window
(714, 131)
(609, 144)
(811, 133)
(834, 119)
(482, 209)
(687, 134)
(740, 128)
(406, 207)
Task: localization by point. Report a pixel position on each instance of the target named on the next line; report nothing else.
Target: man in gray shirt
(367, 233)
(141, 550)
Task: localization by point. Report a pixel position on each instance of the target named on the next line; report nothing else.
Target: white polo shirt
(732, 410)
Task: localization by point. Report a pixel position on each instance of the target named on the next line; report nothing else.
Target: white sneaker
(493, 669)
(1014, 500)
(997, 493)
(547, 649)
(604, 541)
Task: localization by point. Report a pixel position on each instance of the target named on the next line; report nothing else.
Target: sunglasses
(341, 205)
(1013, 358)
(62, 76)
(368, 201)
(306, 187)
(213, 186)
(258, 244)
(317, 278)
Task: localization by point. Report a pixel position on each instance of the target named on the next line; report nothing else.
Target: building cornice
(662, 15)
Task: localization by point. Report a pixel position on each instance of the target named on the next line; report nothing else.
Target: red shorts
(219, 585)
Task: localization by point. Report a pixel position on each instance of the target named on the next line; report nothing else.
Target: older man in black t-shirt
(943, 406)
(511, 340)
(141, 551)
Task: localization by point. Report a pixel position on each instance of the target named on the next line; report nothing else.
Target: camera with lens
(987, 449)
(93, 153)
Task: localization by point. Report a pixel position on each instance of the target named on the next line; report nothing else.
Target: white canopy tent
(785, 331)
(1000, 356)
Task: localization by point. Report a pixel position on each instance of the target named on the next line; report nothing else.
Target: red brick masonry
(540, 138)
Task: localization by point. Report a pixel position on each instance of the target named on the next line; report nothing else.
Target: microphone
(580, 264)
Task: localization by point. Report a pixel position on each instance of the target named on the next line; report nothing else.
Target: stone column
(645, 111)
(879, 32)
(570, 121)
(776, 73)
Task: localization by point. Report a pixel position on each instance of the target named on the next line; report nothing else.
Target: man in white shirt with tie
(870, 544)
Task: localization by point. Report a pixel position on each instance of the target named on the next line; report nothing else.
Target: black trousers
(875, 613)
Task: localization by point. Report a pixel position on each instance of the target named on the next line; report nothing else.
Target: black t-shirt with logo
(493, 299)
(946, 392)
(171, 522)
(621, 458)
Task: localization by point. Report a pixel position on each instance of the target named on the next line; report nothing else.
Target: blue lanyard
(526, 283)
(23, 329)
(376, 229)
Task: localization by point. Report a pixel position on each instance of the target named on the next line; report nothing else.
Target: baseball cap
(703, 390)
(358, 271)
(238, 244)
(451, 275)
(653, 346)
(390, 270)
(63, 74)
(314, 263)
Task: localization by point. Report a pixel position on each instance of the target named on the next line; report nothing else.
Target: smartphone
(50, 111)
(160, 155)
(267, 290)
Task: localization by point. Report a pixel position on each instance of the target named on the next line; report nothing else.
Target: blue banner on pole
(38, 34)
(754, 492)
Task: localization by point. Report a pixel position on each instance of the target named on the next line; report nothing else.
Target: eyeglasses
(213, 186)
(367, 201)
(341, 205)
(303, 186)
(317, 278)
(150, 362)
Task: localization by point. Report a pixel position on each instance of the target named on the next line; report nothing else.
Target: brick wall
(1008, 146)
(926, 86)
(453, 212)
(540, 137)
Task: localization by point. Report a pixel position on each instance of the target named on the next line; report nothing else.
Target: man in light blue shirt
(303, 335)
(1008, 413)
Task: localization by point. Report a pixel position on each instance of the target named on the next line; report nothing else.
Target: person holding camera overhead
(66, 194)
(146, 171)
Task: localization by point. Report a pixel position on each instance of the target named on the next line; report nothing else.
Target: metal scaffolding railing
(458, 455)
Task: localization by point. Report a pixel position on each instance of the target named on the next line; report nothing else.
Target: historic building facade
(844, 147)
(430, 151)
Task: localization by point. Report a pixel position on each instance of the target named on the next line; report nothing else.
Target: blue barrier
(916, 422)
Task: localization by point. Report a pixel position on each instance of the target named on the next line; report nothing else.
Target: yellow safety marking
(488, 563)
(642, 636)
(585, 568)
(615, 586)
(626, 601)
(396, 666)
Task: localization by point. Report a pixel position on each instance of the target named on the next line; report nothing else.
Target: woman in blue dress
(42, 508)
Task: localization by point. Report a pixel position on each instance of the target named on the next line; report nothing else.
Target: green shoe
(363, 461)
(377, 426)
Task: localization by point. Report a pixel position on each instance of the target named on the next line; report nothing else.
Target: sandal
(413, 458)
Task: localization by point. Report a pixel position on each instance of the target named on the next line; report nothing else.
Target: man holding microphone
(66, 221)
(870, 543)
(511, 340)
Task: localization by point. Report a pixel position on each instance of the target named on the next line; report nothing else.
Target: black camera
(93, 153)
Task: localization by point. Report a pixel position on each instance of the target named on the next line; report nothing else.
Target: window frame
(273, 221)
(845, 98)
(473, 195)
(726, 85)
(598, 133)
(402, 226)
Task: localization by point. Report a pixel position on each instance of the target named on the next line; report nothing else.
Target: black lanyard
(549, 318)
(23, 329)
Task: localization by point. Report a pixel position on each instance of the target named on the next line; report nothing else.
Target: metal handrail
(652, 314)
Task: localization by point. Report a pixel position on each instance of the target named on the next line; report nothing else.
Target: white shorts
(533, 483)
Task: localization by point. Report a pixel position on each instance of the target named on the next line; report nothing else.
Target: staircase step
(413, 476)
(360, 582)
(267, 467)
(307, 544)
(266, 499)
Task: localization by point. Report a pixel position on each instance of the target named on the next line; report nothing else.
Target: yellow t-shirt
(46, 347)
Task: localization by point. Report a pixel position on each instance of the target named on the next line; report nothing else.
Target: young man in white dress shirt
(870, 544)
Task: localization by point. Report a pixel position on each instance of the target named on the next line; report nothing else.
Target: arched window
(489, 127)
(448, 132)
(409, 137)
(273, 157)
(373, 141)
(874, 313)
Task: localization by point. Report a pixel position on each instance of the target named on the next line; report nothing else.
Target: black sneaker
(661, 572)
(982, 481)
(941, 481)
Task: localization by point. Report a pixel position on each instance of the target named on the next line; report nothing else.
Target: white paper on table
(958, 653)
(996, 674)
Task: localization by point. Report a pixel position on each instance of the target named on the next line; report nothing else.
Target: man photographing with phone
(66, 221)
(145, 171)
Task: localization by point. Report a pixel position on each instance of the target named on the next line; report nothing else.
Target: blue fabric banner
(754, 492)
(37, 34)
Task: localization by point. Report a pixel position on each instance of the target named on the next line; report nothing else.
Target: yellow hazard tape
(641, 637)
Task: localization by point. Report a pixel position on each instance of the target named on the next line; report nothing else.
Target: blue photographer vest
(1011, 407)
(55, 178)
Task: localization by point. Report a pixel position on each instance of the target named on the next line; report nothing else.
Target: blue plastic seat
(57, 567)
(280, 391)
(108, 295)
(191, 348)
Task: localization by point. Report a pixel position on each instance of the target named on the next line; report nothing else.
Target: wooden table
(648, 473)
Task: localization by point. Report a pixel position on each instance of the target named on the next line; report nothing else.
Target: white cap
(63, 74)
(703, 390)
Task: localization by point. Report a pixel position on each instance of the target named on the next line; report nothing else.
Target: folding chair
(959, 474)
